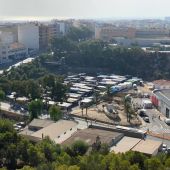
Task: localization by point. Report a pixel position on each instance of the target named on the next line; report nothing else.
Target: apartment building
(152, 33)
(108, 32)
(28, 34)
(38, 36)
(43, 37)
(4, 54)
(12, 29)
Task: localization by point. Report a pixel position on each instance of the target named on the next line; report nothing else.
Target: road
(167, 142)
(156, 125)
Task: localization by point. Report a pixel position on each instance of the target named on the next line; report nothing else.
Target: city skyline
(89, 9)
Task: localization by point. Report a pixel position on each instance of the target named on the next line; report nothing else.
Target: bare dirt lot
(97, 113)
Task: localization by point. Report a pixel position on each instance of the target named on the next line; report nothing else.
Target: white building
(28, 34)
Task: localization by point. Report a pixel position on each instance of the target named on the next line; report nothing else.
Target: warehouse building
(161, 99)
(91, 134)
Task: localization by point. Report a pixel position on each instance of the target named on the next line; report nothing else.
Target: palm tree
(128, 107)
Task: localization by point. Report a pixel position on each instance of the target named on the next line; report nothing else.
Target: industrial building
(57, 131)
(161, 99)
(89, 136)
(147, 146)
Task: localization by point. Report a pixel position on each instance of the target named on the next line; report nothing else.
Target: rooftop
(161, 82)
(125, 144)
(89, 136)
(147, 146)
(165, 93)
(41, 123)
(55, 129)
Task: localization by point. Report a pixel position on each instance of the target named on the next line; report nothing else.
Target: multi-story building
(4, 54)
(58, 28)
(53, 31)
(12, 29)
(152, 33)
(108, 32)
(43, 37)
(38, 36)
(28, 34)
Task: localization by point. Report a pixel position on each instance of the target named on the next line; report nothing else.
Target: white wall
(28, 34)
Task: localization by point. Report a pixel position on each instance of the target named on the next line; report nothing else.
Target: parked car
(168, 150)
(142, 113)
(164, 147)
(167, 121)
(146, 119)
(22, 124)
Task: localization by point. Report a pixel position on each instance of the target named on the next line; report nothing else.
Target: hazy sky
(85, 8)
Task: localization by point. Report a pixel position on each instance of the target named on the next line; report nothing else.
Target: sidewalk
(161, 136)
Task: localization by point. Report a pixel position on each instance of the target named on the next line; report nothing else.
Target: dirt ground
(97, 112)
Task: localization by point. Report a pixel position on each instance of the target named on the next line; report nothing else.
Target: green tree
(154, 163)
(55, 113)
(167, 163)
(35, 156)
(28, 168)
(33, 89)
(23, 150)
(11, 156)
(35, 108)
(58, 91)
(79, 148)
(128, 108)
(2, 96)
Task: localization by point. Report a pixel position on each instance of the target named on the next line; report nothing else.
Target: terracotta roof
(161, 82)
(16, 46)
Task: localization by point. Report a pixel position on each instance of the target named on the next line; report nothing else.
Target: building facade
(161, 99)
(109, 32)
(28, 34)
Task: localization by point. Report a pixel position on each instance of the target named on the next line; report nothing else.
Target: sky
(91, 9)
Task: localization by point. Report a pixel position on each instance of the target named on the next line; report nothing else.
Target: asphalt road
(156, 125)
